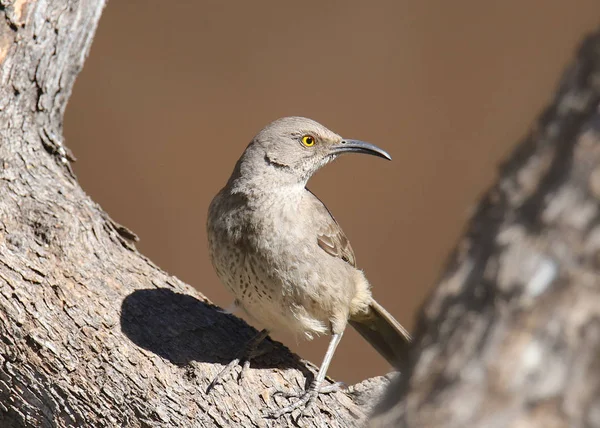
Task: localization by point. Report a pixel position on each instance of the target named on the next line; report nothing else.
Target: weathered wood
(511, 335)
(91, 332)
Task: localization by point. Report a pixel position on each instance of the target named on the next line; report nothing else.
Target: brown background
(173, 91)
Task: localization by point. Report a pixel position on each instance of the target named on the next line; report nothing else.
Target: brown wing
(330, 236)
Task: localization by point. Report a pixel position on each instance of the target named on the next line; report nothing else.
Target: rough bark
(510, 337)
(91, 332)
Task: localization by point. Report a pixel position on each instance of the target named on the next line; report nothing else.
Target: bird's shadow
(182, 329)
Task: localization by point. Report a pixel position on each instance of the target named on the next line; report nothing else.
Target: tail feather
(383, 332)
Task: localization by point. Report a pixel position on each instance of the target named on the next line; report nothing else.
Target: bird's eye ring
(308, 140)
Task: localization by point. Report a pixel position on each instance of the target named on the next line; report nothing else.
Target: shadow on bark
(183, 329)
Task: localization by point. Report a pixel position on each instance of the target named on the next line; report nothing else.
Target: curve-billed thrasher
(281, 253)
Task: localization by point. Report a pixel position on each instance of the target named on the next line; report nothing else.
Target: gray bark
(510, 337)
(91, 332)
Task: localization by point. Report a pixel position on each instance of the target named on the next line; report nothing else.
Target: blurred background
(173, 92)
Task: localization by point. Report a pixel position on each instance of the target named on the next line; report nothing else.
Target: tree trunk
(511, 335)
(91, 332)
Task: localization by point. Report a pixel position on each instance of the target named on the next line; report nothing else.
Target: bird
(278, 249)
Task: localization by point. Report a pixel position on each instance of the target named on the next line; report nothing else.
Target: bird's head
(299, 146)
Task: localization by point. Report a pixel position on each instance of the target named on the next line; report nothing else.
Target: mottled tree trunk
(91, 332)
(511, 335)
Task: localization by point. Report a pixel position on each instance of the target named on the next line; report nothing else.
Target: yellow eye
(308, 140)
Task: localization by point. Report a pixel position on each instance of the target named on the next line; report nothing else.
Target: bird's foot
(226, 371)
(250, 351)
(304, 400)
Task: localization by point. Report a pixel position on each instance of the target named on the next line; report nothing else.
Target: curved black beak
(357, 146)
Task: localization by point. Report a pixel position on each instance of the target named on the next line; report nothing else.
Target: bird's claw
(305, 399)
(227, 370)
(248, 353)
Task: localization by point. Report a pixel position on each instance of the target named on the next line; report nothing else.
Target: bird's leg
(248, 352)
(308, 397)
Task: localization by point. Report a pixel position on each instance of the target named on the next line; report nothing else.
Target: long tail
(384, 333)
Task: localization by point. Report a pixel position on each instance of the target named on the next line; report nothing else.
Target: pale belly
(271, 296)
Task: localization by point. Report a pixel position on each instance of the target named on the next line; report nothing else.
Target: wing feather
(330, 236)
